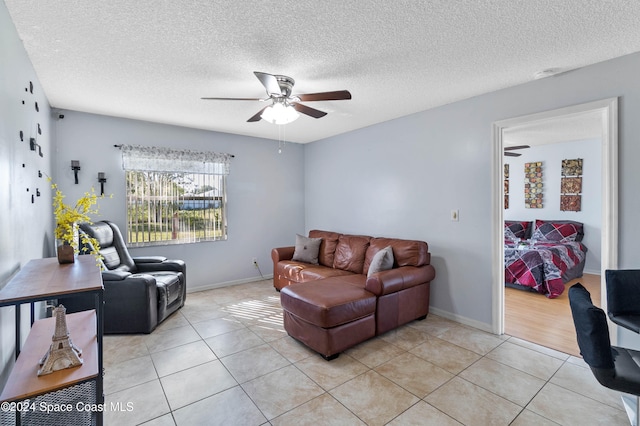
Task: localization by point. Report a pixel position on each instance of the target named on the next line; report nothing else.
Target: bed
(542, 256)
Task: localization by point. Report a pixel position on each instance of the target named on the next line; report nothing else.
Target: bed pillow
(306, 249)
(558, 231)
(382, 261)
(520, 230)
(509, 235)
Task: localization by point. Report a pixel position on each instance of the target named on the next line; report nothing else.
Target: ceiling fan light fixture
(279, 113)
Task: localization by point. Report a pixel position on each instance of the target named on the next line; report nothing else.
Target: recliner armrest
(114, 275)
(393, 280)
(149, 259)
(166, 265)
(131, 305)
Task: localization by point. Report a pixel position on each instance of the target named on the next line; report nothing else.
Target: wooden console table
(42, 280)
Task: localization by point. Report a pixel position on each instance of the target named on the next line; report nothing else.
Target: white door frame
(609, 245)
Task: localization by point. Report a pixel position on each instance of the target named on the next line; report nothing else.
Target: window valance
(147, 158)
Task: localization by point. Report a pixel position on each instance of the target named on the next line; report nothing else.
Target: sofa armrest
(282, 253)
(393, 280)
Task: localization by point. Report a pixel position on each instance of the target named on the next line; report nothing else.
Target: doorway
(606, 111)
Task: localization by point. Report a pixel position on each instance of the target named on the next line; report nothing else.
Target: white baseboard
(228, 283)
(591, 272)
(462, 320)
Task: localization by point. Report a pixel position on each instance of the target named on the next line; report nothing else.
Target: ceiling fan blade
(312, 112)
(512, 154)
(232, 99)
(511, 148)
(257, 116)
(337, 95)
(270, 82)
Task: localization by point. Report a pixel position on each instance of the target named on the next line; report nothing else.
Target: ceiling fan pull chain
(281, 137)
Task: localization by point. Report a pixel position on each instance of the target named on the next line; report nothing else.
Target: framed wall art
(533, 185)
(571, 185)
(506, 186)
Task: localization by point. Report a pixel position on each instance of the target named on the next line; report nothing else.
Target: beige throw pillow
(307, 249)
(382, 261)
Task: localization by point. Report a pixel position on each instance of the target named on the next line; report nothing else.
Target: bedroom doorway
(605, 114)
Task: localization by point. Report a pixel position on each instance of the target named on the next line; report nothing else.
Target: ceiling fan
(284, 107)
(512, 148)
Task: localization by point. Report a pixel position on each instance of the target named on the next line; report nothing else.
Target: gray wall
(403, 177)
(591, 212)
(264, 190)
(25, 227)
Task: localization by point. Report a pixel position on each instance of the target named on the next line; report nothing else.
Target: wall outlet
(254, 261)
(455, 215)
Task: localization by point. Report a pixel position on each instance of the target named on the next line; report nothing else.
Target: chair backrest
(112, 246)
(591, 329)
(623, 291)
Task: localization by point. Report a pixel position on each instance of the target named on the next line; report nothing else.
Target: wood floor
(535, 318)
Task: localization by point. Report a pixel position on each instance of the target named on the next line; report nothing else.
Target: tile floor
(225, 359)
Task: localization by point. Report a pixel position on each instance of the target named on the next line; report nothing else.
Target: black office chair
(623, 297)
(614, 367)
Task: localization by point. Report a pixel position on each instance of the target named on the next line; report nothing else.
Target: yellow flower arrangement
(67, 218)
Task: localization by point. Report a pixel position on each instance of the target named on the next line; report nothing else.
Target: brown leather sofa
(334, 305)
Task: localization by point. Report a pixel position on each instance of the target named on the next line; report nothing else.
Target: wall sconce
(75, 166)
(102, 179)
(33, 145)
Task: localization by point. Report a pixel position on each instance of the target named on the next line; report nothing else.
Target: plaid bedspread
(541, 265)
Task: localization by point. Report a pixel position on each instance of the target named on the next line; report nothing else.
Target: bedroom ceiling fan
(507, 150)
(284, 107)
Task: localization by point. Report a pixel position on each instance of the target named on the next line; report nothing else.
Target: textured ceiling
(153, 60)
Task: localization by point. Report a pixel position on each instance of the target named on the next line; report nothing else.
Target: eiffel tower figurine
(62, 353)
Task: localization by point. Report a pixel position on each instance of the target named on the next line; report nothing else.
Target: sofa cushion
(357, 280)
(350, 253)
(300, 272)
(382, 261)
(327, 247)
(307, 249)
(405, 252)
(328, 303)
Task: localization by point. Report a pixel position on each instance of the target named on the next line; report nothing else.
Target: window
(174, 196)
